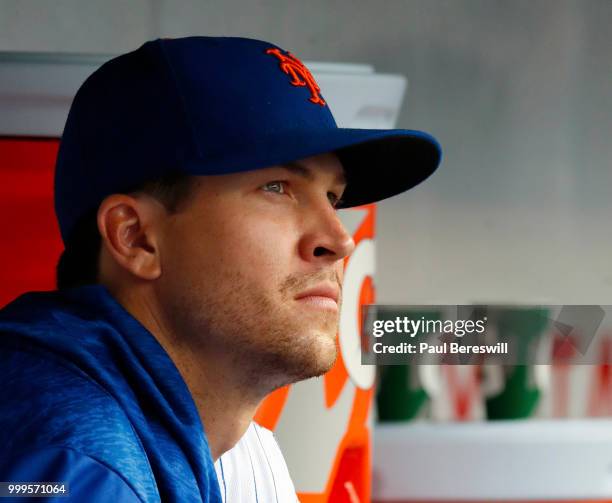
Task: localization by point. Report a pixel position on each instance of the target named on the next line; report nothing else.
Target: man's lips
(322, 296)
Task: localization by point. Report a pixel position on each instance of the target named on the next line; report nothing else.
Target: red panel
(29, 235)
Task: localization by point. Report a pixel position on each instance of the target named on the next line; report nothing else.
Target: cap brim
(382, 163)
(378, 163)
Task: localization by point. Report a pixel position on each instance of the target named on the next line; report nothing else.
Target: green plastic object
(400, 397)
(520, 395)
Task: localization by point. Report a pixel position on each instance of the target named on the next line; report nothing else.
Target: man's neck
(226, 408)
(225, 404)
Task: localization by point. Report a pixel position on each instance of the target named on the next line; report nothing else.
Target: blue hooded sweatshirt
(91, 399)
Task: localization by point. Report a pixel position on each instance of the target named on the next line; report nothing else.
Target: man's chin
(304, 356)
(322, 358)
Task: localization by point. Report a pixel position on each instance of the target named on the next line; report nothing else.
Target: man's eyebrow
(301, 170)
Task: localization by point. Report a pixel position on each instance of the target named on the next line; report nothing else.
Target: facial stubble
(270, 340)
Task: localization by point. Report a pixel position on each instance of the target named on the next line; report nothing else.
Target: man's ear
(129, 230)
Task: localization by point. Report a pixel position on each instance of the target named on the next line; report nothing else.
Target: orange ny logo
(300, 75)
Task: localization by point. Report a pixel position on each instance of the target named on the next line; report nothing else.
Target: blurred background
(519, 94)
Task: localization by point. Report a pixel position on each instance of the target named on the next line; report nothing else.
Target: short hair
(78, 263)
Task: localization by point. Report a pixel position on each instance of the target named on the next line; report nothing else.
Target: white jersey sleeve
(254, 470)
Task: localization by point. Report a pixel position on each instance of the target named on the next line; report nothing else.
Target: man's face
(249, 265)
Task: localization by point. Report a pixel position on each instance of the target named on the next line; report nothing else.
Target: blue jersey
(91, 399)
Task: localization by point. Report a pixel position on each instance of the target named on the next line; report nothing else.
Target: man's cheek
(273, 251)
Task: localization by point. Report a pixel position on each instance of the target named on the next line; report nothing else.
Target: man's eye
(334, 199)
(276, 186)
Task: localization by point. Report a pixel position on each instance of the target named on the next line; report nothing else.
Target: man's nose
(325, 238)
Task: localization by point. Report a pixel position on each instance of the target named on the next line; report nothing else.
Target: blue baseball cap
(212, 106)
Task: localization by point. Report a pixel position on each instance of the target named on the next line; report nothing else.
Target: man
(196, 191)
